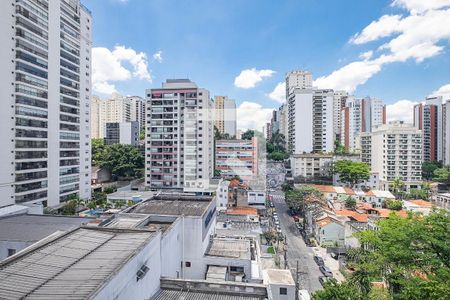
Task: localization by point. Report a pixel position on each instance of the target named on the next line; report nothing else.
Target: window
(187, 264)
(11, 252)
(283, 291)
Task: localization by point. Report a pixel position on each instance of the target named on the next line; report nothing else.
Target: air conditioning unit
(141, 272)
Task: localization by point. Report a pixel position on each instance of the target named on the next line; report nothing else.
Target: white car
(277, 222)
(303, 295)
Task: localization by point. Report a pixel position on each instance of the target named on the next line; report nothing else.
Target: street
(296, 248)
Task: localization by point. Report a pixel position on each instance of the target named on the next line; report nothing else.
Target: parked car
(326, 271)
(319, 260)
(271, 204)
(277, 222)
(296, 219)
(323, 279)
(304, 295)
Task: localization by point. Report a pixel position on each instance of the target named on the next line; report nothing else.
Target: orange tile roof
(242, 211)
(421, 203)
(349, 191)
(384, 212)
(325, 221)
(324, 188)
(353, 214)
(363, 205)
(369, 193)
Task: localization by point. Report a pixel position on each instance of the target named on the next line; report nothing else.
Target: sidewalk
(329, 262)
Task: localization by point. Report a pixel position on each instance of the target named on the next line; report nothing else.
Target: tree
(393, 204)
(443, 174)
(351, 172)
(287, 186)
(339, 148)
(428, 168)
(397, 186)
(217, 173)
(122, 160)
(97, 146)
(110, 189)
(70, 207)
(92, 205)
(119, 204)
(417, 194)
(142, 135)
(278, 156)
(248, 134)
(305, 200)
(335, 291)
(350, 203)
(217, 135)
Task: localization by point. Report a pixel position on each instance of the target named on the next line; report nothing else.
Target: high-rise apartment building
(125, 133)
(340, 98)
(298, 79)
(360, 115)
(394, 151)
(283, 120)
(237, 158)
(430, 118)
(447, 133)
(225, 115)
(179, 148)
(116, 109)
(45, 90)
(310, 120)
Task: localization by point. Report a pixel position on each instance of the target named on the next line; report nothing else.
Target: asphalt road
(296, 248)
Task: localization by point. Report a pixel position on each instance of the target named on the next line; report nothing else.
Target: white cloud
(248, 78)
(108, 67)
(158, 56)
(104, 88)
(420, 6)
(383, 27)
(418, 36)
(251, 115)
(366, 55)
(401, 111)
(443, 91)
(279, 93)
(348, 77)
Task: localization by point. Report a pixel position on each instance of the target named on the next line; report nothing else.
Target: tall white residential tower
(45, 83)
(179, 142)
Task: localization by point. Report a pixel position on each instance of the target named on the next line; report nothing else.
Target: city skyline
(342, 50)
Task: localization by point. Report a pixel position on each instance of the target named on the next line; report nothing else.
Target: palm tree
(397, 186)
(92, 205)
(427, 188)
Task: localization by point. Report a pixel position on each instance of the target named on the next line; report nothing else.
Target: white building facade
(179, 136)
(394, 151)
(45, 87)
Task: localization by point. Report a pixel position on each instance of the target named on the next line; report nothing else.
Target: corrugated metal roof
(185, 295)
(73, 266)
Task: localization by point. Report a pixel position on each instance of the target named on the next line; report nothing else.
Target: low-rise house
(418, 206)
(329, 231)
(280, 284)
(374, 197)
(442, 200)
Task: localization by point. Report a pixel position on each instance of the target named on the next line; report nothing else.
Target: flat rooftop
(31, 228)
(173, 205)
(230, 247)
(73, 266)
(139, 221)
(278, 276)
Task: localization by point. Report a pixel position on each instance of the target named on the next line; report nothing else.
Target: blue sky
(212, 41)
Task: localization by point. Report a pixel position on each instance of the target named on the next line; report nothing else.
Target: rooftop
(230, 247)
(187, 295)
(278, 276)
(242, 211)
(75, 265)
(31, 228)
(422, 203)
(174, 205)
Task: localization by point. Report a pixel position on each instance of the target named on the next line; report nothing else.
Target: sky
(394, 50)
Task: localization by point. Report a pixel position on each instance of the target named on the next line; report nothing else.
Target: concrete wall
(274, 292)
(171, 250)
(124, 286)
(331, 233)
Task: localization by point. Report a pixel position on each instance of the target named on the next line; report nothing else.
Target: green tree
(122, 160)
(305, 199)
(278, 156)
(428, 168)
(335, 291)
(411, 255)
(70, 207)
(350, 203)
(443, 174)
(119, 204)
(110, 189)
(287, 186)
(248, 134)
(97, 146)
(417, 194)
(393, 204)
(217, 173)
(397, 187)
(142, 135)
(92, 205)
(351, 172)
(339, 148)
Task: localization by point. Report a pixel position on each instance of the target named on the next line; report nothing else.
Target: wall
(303, 123)
(274, 292)
(331, 233)
(124, 285)
(171, 250)
(17, 245)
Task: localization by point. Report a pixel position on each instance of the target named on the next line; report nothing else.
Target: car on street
(323, 279)
(326, 271)
(319, 260)
(277, 222)
(271, 204)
